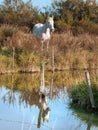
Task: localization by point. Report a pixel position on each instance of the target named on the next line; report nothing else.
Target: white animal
(40, 28)
(44, 30)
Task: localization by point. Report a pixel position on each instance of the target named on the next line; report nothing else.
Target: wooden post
(53, 67)
(13, 59)
(42, 87)
(90, 89)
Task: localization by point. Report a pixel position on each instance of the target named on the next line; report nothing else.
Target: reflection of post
(40, 117)
(53, 59)
(13, 59)
(44, 111)
(42, 78)
(90, 122)
(12, 95)
(90, 89)
(51, 86)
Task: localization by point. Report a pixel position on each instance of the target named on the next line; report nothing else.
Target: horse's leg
(47, 45)
(42, 46)
(47, 51)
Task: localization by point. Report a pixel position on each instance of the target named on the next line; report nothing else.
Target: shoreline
(48, 70)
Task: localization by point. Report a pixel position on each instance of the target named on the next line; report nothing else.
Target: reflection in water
(89, 118)
(44, 111)
(51, 86)
(9, 96)
(22, 102)
(90, 122)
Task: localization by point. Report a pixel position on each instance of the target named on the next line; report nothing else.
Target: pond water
(20, 104)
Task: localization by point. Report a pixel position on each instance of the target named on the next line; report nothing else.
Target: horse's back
(38, 25)
(37, 29)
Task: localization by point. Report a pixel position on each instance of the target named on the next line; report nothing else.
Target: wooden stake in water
(90, 89)
(42, 88)
(13, 59)
(51, 87)
(53, 59)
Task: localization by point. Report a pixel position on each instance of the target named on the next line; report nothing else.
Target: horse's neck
(45, 27)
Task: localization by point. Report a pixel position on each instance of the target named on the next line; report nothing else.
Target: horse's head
(50, 23)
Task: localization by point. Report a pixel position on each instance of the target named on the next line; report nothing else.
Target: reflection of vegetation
(9, 97)
(21, 82)
(28, 84)
(89, 118)
(30, 97)
(80, 96)
(28, 87)
(28, 81)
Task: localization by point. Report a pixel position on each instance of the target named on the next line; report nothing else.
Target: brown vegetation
(71, 52)
(75, 52)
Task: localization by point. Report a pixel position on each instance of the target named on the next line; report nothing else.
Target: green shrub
(80, 96)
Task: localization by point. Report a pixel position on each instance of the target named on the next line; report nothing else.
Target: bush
(7, 30)
(62, 26)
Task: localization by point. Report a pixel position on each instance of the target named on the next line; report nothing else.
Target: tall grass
(71, 52)
(75, 51)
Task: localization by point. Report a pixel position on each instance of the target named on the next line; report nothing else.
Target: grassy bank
(70, 52)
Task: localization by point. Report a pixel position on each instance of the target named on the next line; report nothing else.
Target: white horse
(44, 30)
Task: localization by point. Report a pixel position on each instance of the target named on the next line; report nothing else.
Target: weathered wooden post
(52, 59)
(90, 89)
(13, 59)
(42, 87)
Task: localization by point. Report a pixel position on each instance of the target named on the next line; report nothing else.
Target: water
(20, 109)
